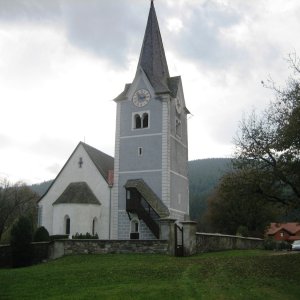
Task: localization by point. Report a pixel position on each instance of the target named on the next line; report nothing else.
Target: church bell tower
(151, 145)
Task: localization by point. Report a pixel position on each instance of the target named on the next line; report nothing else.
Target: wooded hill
(204, 175)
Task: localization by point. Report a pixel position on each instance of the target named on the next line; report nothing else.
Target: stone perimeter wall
(60, 248)
(206, 242)
(193, 243)
(40, 253)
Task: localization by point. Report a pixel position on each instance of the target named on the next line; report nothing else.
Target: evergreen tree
(21, 239)
(41, 235)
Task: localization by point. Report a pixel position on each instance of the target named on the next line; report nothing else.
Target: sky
(62, 62)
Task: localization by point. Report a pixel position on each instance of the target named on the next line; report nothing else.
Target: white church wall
(73, 173)
(81, 219)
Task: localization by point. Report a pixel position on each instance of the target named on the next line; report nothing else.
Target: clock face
(178, 105)
(141, 98)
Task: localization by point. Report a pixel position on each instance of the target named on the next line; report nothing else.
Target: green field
(221, 275)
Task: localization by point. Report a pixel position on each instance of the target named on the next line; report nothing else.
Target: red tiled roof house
(284, 231)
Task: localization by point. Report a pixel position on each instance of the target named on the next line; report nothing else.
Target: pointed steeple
(152, 58)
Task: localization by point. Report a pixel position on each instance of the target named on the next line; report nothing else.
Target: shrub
(284, 245)
(59, 237)
(271, 244)
(41, 235)
(87, 236)
(20, 241)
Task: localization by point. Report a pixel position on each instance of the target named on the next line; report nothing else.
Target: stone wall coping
(227, 235)
(188, 222)
(41, 243)
(108, 241)
(167, 220)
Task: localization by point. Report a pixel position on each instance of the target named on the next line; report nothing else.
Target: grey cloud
(201, 39)
(112, 29)
(56, 147)
(107, 28)
(29, 10)
(54, 168)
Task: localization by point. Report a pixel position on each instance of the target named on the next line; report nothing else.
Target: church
(125, 197)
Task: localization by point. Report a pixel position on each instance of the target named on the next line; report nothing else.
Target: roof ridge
(103, 162)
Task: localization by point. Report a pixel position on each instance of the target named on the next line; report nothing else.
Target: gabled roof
(152, 58)
(123, 95)
(291, 228)
(77, 193)
(103, 162)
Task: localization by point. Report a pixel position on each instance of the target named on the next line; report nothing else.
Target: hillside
(41, 188)
(204, 175)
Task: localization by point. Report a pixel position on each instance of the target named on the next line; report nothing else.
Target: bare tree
(15, 200)
(269, 144)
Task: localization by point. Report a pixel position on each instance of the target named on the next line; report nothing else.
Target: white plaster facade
(52, 217)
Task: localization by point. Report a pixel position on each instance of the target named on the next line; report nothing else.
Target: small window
(134, 230)
(140, 151)
(178, 128)
(94, 226)
(67, 224)
(145, 120)
(80, 162)
(134, 226)
(138, 121)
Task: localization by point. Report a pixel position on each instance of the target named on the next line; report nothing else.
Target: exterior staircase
(141, 200)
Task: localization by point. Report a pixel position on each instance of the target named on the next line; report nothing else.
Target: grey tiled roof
(153, 61)
(77, 193)
(123, 95)
(152, 58)
(148, 194)
(102, 161)
(173, 83)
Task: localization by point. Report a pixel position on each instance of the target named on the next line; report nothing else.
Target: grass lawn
(222, 275)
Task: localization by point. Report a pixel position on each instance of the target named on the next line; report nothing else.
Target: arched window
(94, 226)
(145, 120)
(67, 224)
(134, 229)
(138, 121)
